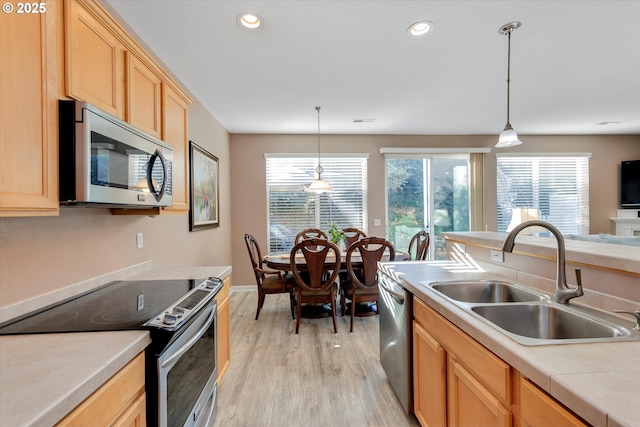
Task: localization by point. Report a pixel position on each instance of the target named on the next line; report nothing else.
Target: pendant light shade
(508, 137)
(319, 186)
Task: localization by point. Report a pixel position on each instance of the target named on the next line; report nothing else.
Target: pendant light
(319, 186)
(508, 137)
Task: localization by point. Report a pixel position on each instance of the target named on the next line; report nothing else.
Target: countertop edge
(125, 346)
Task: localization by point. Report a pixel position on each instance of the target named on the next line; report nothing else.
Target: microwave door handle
(157, 194)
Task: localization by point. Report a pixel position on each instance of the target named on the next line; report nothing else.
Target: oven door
(187, 374)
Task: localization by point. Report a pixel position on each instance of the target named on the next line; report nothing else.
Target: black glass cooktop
(118, 305)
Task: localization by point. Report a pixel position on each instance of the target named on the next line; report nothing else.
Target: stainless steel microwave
(106, 162)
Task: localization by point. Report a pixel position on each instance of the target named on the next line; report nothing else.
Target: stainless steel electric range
(181, 317)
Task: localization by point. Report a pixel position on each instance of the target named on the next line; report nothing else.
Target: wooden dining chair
(310, 233)
(419, 246)
(352, 235)
(315, 264)
(362, 285)
(268, 281)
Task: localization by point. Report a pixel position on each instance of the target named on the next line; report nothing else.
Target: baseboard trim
(242, 288)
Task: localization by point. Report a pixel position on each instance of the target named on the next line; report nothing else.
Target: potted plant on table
(335, 235)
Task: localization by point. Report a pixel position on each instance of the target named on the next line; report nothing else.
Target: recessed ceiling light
(248, 20)
(419, 29)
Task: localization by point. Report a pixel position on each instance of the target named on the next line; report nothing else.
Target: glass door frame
(429, 191)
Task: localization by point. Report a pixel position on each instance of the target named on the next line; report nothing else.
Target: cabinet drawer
(538, 409)
(111, 400)
(492, 371)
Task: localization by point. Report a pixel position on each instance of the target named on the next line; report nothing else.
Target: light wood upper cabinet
(28, 113)
(94, 60)
(143, 96)
(77, 42)
(107, 68)
(175, 133)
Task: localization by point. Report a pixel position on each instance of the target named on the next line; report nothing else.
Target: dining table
(281, 261)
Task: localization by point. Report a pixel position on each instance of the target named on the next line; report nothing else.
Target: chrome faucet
(563, 292)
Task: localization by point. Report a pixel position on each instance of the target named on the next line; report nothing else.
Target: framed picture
(205, 200)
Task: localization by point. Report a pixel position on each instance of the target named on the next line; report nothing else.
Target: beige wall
(248, 198)
(39, 255)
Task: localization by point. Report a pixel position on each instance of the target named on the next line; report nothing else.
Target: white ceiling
(574, 64)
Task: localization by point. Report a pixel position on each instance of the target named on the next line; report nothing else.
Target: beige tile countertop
(45, 376)
(597, 381)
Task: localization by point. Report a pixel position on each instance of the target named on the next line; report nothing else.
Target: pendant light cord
(319, 168)
(508, 73)
(318, 110)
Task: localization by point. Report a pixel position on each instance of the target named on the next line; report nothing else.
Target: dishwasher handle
(398, 296)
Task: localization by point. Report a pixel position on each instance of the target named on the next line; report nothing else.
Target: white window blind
(291, 209)
(556, 185)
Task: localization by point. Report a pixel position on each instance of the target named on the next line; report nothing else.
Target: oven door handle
(182, 350)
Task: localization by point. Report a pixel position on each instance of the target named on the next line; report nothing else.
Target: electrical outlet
(497, 256)
(377, 222)
(139, 240)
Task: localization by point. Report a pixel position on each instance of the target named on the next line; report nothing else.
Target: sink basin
(486, 291)
(545, 321)
(529, 316)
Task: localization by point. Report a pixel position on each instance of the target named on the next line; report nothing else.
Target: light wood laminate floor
(315, 378)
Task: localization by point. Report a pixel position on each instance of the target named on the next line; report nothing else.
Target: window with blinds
(553, 187)
(291, 209)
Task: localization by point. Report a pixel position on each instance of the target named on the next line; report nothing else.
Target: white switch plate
(377, 222)
(139, 240)
(497, 256)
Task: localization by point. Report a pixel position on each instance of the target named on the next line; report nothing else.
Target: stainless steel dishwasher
(396, 308)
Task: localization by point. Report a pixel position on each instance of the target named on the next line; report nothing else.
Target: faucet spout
(563, 292)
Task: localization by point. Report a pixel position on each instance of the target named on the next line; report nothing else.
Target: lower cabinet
(224, 329)
(538, 409)
(470, 402)
(430, 379)
(458, 382)
(120, 402)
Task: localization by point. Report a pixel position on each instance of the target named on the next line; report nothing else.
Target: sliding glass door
(426, 193)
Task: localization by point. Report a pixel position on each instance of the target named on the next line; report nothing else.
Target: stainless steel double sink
(530, 317)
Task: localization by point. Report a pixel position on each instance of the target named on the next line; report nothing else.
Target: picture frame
(204, 188)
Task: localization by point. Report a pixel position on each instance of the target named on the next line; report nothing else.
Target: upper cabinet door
(28, 113)
(174, 133)
(94, 61)
(143, 96)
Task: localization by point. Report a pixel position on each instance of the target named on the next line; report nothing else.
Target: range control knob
(212, 282)
(169, 319)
